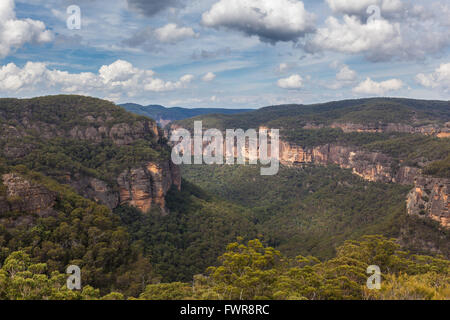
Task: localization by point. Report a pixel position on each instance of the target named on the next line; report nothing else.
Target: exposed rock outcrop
(430, 198)
(25, 196)
(121, 134)
(371, 166)
(430, 129)
(143, 187)
(146, 186)
(95, 189)
(95, 130)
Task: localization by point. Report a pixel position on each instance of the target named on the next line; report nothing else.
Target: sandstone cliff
(146, 186)
(27, 125)
(25, 196)
(441, 131)
(371, 166)
(143, 186)
(430, 198)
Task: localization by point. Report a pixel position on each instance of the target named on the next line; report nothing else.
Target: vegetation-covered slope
(63, 135)
(45, 224)
(252, 271)
(404, 129)
(361, 111)
(51, 146)
(311, 210)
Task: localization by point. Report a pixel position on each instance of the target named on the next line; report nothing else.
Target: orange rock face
(145, 187)
(430, 198)
(443, 135)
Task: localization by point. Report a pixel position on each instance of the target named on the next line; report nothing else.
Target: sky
(225, 53)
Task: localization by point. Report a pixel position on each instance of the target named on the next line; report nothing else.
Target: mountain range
(362, 182)
(164, 116)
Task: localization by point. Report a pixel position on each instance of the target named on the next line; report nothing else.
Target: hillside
(85, 182)
(373, 114)
(165, 115)
(394, 144)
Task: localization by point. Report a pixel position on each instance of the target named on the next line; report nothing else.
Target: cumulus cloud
(293, 82)
(168, 34)
(119, 78)
(353, 36)
(209, 77)
(14, 33)
(152, 7)
(346, 74)
(404, 32)
(440, 78)
(271, 21)
(371, 87)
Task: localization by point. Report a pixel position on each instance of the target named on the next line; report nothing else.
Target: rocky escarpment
(94, 129)
(21, 195)
(135, 166)
(371, 166)
(430, 198)
(121, 133)
(145, 187)
(347, 127)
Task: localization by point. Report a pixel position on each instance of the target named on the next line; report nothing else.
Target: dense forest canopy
(318, 227)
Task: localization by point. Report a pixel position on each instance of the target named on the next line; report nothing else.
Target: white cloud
(440, 78)
(271, 21)
(359, 7)
(404, 31)
(352, 36)
(119, 78)
(14, 33)
(209, 77)
(346, 74)
(171, 33)
(371, 87)
(293, 82)
(120, 71)
(152, 39)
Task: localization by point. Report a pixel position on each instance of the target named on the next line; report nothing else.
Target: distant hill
(84, 182)
(165, 115)
(392, 144)
(413, 132)
(374, 113)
